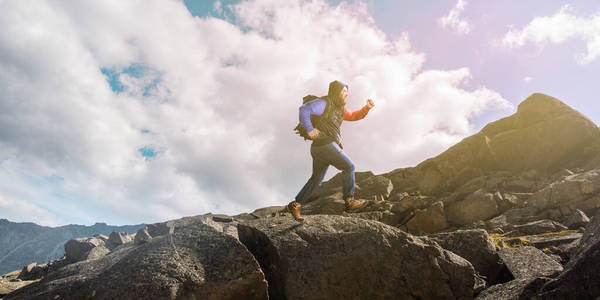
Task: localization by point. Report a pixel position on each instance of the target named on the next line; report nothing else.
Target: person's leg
(342, 162)
(318, 173)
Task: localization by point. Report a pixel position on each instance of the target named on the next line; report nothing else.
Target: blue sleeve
(314, 107)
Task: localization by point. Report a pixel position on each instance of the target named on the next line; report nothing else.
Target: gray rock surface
(335, 257)
(77, 249)
(514, 216)
(118, 238)
(512, 290)
(537, 227)
(375, 186)
(142, 236)
(581, 279)
(96, 252)
(432, 219)
(477, 247)
(572, 189)
(576, 220)
(529, 262)
(334, 185)
(331, 205)
(195, 262)
(477, 206)
(384, 217)
(160, 229)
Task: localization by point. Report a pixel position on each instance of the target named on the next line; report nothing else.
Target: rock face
(476, 247)
(334, 257)
(78, 249)
(375, 186)
(531, 269)
(429, 220)
(515, 144)
(576, 190)
(142, 236)
(580, 280)
(529, 262)
(478, 206)
(195, 262)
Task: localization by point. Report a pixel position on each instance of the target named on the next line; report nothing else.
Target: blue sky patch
(147, 152)
(135, 70)
(112, 77)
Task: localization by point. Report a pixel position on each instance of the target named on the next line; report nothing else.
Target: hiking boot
(352, 204)
(294, 208)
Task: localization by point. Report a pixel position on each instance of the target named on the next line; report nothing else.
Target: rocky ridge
(502, 214)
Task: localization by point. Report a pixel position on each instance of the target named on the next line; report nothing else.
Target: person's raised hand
(313, 133)
(370, 103)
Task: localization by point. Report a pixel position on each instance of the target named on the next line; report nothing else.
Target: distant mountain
(24, 243)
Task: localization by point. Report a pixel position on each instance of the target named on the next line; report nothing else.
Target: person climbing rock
(321, 119)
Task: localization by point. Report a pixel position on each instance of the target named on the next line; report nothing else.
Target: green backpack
(313, 119)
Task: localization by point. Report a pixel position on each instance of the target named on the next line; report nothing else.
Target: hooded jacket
(327, 114)
(331, 119)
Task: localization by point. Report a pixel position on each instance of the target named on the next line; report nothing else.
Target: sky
(129, 112)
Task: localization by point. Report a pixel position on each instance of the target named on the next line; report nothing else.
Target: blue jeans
(323, 156)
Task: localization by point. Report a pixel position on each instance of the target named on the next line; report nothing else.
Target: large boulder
(335, 257)
(142, 236)
(432, 219)
(477, 247)
(375, 186)
(79, 248)
(118, 238)
(402, 202)
(531, 269)
(476, 207)
(529, 262)
(194, 262)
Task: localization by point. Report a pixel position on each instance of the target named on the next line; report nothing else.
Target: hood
(334, 89)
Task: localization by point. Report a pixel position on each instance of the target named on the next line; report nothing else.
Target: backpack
(313, 119)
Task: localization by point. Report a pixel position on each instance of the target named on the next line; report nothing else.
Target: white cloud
(221, 108)
(557, 29)
(453, 21)
(527, 79)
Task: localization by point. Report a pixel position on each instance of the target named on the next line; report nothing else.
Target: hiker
(320, 120)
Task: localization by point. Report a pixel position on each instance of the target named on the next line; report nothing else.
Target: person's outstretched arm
(358, 114)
